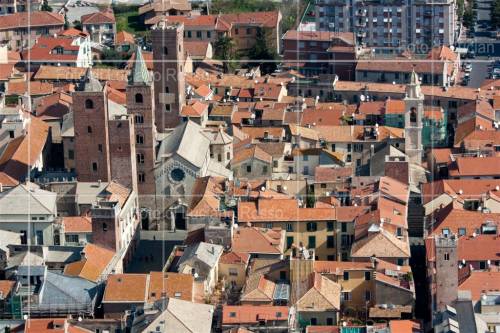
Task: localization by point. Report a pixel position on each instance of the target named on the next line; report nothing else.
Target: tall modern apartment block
(414, 24)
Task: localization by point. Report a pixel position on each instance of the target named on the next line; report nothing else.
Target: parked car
(468, 67)
(471, 54)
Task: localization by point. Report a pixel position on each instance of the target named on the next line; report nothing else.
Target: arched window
(138, 98)
(89, 129)
(104, 227)
(413, 115)
(89, 104)
(139, 139)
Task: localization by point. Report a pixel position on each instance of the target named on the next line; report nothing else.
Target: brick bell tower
(141, 108)
(168, 59)
(90, 111)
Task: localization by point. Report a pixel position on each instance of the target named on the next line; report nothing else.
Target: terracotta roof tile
(21, 153)
(6, 287)
(72, 32)
(253, 240)
(173, 285)
(258, 289)
(76, 73)
(196, 48)
(77, 224)
(251, 314)
(453, 219)
(31, 19)
(126, 288)
(234, 258)
(32, 87)
(194, 109)
(124, 37)
(476, 166)
(52, 325)
(249, 152)
(267, 210)
(479, 283)
(92, 265)
(327, 174)
(479, 248)
(102, 17)
(53, 106)
(405, 326)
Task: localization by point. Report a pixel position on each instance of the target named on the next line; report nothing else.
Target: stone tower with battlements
(168, 59)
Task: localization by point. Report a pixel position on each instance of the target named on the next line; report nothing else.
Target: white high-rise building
(414, 24)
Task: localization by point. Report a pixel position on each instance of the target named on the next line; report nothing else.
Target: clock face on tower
(177, 175)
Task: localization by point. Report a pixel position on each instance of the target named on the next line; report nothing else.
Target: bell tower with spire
(141, 107)
(414, 110)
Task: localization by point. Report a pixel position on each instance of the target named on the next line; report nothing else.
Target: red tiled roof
(394, 106)
(194, 109)
(72, 32)
(92, 265)
(462, 188)
(6, 71)
(43, 50)
(326, 175)
(53, 106)
(453, 219)
(251, 314)
(124, 37)
(479, 248)
(31, 19)
(116, 96)
(442, 53)
(234, 258)
(31, 87)
(249, 152)
(77, 224)
(281, 210)
(21, 153)
(196, 48)
(480, 282)
(405, 326)
(51, 325)
(6, 287)
(174, 285)
(404, 66)
(476, 166)
(126, 288)
(103, 17)
(253, 240)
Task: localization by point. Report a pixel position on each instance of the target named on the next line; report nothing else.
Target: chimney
(374, 262)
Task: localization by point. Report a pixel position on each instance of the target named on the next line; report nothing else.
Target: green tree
(224, 50)
(495, 14)
(469, 17)
(261, 54)
(45, 6)
(77, 25)
(460, 8)
(66, 23)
